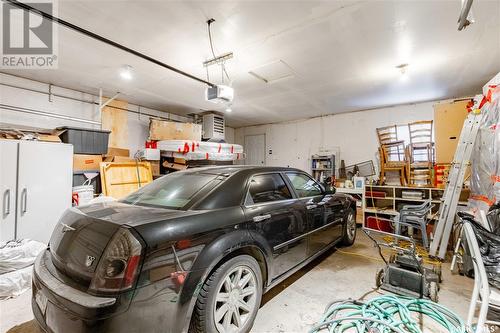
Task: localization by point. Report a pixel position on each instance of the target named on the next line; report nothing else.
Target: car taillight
(119, 265)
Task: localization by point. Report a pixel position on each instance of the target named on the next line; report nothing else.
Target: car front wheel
(230, 298)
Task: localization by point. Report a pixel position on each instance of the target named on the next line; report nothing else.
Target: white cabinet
(8, 188)
(35, 183)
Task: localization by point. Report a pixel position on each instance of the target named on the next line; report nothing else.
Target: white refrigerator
(35, 187)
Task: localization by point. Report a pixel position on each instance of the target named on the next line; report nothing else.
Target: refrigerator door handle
(24, 200)
(6, 202)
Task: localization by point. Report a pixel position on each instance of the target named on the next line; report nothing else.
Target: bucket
(83, 194)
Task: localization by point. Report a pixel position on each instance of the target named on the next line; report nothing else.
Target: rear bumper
(72, 310)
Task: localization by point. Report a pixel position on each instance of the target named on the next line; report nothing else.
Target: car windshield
(173, 191)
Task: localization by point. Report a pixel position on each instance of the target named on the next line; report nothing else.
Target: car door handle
(261, 218)
(6, 202)
(311, 206)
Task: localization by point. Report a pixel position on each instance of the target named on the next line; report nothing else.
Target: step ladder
(454, 184)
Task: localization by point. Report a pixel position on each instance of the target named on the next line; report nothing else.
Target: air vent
(273, 72)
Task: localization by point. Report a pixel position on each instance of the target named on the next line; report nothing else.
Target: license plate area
(41, 301)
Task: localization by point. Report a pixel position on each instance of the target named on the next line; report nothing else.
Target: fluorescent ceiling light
(127, 72)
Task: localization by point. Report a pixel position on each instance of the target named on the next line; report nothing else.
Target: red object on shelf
(378, 224)
(152, 144)
(376, 194)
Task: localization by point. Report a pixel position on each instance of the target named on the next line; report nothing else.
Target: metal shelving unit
(322, 166)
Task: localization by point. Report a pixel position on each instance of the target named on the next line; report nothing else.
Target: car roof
(229, 170)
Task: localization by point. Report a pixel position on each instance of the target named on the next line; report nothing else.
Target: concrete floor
(298, 302)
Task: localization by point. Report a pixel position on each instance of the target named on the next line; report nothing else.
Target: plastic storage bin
(84, 140)
(79, 179)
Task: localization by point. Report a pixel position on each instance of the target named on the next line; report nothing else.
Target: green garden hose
(386, 314)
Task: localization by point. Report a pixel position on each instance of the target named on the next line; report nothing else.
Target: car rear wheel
(350, 228)
(230, 298)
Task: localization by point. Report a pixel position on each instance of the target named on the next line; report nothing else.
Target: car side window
(304, 185)
(266, 188)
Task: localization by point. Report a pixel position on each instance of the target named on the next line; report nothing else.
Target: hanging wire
(223, 68)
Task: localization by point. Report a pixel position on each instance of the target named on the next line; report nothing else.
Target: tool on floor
(386, 314)
(454, 185)
(405, 273)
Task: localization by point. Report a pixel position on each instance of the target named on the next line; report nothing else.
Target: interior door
(322, 225)
(8, 178)
(44, 187)
(255, 149)
(279, 219)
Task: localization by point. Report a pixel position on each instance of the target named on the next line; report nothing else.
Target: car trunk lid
(82, 234)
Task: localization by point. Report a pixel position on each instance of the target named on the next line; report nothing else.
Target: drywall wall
(18, 94)
(293, 143)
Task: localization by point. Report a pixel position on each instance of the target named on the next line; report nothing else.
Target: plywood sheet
(169, 130)
(119, 179)
(448, 122)
(116, 121)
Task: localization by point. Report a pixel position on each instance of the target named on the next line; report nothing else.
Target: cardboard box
(48, 138)
(180, 160)
(168, 130)
(113, 151)
(148, 154)
(86, 162)
(174, 166)
(118, 159)
(155, 167)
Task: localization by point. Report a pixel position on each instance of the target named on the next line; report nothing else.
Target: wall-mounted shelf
(322, 167)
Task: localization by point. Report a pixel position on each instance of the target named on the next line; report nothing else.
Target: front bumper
(68, 309)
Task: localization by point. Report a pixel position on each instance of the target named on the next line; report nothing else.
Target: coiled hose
(385, 314)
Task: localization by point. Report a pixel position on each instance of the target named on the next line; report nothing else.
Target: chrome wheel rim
(351, 226)
(235, 300)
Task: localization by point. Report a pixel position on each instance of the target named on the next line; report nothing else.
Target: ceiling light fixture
(403, 68)
(127, 72)
(228, 109)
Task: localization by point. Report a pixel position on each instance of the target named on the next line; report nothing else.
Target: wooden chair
(392, 153)
(392, 158)
(420, 154)
(387, 135)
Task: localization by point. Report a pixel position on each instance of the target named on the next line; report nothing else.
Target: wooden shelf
(392, 203)
(380, 211)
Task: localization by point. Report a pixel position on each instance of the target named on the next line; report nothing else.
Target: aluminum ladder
(454, 184)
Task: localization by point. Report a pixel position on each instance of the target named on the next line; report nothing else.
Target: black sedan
(193, 251)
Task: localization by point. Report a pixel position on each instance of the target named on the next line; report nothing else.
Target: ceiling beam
(106, 40)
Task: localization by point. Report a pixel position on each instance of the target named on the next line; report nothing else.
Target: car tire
(230, 298)
(350, 227)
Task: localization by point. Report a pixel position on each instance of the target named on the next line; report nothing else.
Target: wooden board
(169, 130)
(448, 122)
(119, 179)
(116, 121)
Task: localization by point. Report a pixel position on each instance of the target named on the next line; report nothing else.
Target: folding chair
(488, 297)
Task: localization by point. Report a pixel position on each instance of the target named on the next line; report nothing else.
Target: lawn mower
(405, 273)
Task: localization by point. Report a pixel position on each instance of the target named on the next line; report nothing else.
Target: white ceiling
(341, 55)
